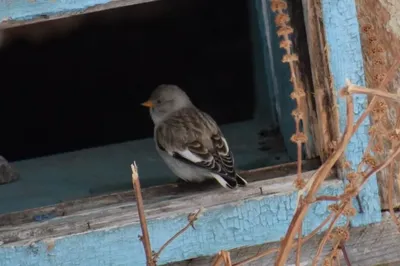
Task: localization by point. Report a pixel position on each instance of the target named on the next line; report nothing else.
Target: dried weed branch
(152, 257)
(139, 202)
(368, 166)
(284, 30)
(223, 258)
(191, 219)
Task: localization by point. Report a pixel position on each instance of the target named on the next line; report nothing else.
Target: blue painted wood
(20, 10)
(346, 62)
(250, 222)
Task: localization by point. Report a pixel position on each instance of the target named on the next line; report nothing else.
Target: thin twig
(327, 233)
(373, 92)
(388, 78)
(191, 219)
(342, 247)
(327, 198)
(319, 177)
(223, 256)
(299, 242)
(139, 203)
(218, 259)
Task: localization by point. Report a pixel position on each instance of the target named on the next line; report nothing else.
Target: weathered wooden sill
(231, 219)
(119, 209)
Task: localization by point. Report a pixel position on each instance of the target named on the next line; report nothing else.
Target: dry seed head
(285, 30)
(327, 261)
(342, 233)
(334, 207)
(367, 28)
(372, 39)
(286, 44)
(299, 183)
(299, 137)
(377, 148)
(281, 19)
(350, 189)
(377, 49)
(349, 212)
(297, 94)
(297, 114)
(379, 77)
(278, 5)
(370, 160)
(379, 110)
(378, 61)
(290, 58)
(352, 176)
(393, 136)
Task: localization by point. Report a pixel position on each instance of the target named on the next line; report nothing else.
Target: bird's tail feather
(226, 183)
(240, 180)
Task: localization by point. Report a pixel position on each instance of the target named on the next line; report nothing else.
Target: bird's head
(166, 99)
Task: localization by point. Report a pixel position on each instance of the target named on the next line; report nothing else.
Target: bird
(189, 140)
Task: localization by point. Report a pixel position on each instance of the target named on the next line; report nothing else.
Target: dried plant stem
(327, 233)
(139, 202)
(342, 247)
(317, 180)
(299, 242)
(273, 250)
(389, 77)
(298, 94)
(374, 92)
(223, 257)
(191, 219)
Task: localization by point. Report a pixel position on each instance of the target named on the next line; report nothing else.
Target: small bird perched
(189, 140)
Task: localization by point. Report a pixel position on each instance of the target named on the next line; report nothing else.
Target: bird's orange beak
(148, 104)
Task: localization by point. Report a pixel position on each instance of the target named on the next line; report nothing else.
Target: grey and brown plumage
(189, 140)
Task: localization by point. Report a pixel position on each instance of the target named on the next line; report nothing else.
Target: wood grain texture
(323, 95)
(311, 123)
(346, 62)
(372, 245)
(384, 16)
(248, 216)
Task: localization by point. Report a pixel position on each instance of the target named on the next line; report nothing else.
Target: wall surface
(384, 16)
(346, 62)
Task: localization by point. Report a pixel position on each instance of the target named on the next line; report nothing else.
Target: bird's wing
(193, 137)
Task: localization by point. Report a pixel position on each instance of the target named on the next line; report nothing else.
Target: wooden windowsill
(119, 209)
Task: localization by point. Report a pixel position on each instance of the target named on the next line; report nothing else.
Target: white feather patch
(220, 180)
(226, 145)
(190, 156)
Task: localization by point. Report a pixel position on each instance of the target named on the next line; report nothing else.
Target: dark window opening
(70, 94)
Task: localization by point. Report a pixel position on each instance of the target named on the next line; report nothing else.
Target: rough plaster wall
(384, 15)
